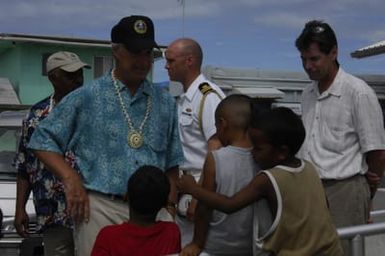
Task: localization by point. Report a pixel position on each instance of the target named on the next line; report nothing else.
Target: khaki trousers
(103, 211)
(348, 202)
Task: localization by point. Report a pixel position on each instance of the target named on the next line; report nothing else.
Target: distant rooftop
(371, 50)
(63, 40)
(54, 39)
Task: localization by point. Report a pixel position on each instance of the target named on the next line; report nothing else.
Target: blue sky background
(253, 34)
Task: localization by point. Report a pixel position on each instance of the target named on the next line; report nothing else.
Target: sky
(250, 34)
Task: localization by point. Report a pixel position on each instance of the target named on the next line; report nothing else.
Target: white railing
(356, 234)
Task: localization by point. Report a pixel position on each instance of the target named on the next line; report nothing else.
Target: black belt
(331, 181)
(112, 197)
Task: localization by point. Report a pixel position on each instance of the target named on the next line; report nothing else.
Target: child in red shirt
(147, 192)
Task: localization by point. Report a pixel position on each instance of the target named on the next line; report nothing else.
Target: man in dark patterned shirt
(65, 72)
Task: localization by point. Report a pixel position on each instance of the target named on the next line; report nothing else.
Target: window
(102, 64)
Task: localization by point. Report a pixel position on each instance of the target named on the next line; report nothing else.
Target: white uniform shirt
(194, 143)
(342, 124)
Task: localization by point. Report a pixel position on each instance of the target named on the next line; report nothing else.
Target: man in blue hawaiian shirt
(65, 71)
(115, 125)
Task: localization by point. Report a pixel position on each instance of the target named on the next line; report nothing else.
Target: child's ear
(189, 60)
(223, 121)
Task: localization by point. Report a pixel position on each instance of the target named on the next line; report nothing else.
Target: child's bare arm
(256, 189)
(203, 212)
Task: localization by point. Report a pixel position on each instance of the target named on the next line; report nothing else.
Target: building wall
(291, 83)
(10, 63)
(22, 64)
(33, 86)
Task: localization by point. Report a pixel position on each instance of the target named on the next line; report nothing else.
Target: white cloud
(280, 19)
(103, 9)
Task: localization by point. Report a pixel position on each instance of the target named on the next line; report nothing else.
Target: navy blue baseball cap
(135, 32)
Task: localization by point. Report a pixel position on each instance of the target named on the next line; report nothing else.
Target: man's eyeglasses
(318, 30)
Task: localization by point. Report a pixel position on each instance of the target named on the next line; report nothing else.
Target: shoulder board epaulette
(205, 88)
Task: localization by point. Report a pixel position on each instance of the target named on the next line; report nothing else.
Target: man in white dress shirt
(196, 108)
(345, 137)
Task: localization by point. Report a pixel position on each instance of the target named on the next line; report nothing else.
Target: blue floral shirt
(90, 122)
(48, 191)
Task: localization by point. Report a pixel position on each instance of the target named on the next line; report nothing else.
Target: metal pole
(358, 245)
(183, 8)
(362, 230)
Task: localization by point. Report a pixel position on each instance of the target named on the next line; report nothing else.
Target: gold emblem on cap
(140, 27)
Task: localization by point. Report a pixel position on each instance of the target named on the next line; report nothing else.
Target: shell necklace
(52, 103)
(135, 137)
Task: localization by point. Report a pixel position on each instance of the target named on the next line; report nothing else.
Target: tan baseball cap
(67, 61)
